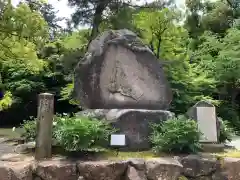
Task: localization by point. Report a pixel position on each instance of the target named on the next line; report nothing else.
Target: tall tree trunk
(97, 19)
(158, 47)
(151, 45)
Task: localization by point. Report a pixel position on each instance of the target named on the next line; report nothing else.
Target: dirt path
(5, 148)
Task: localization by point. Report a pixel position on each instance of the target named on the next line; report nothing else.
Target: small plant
(226, 132)
(182, 178)
(81, 133)
(73, 133)
(177, 135)
(29, 127)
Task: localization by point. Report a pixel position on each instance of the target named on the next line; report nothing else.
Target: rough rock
(15, 170)
(196, 166)
(118, 72)
(25, 148)
(136, 170)
(133, 174)
(192, 113)
(191, 167)
(56, 169)
(102, 170)
(138, 164)
(134, 123)
(231, 167)
(163, 169)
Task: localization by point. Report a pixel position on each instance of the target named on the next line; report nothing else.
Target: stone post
(44, 126)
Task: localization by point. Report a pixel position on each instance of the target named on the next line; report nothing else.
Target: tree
(154, 24)
(92, 12)
(48, 13)
(193, 21)
(219, 57)
(23, 32)
(62, 56)
(170, 42)
(216, 16)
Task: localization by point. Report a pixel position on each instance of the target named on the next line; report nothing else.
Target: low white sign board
(118, 140)
(206, 119)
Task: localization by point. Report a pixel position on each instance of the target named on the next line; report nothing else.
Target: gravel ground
(5, 148)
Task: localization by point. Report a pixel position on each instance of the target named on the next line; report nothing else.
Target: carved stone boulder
(119, 71)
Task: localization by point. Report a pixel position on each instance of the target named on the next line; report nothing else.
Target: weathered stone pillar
(44, 126)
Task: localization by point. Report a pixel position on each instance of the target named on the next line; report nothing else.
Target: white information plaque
(206, 119)
(118, 140)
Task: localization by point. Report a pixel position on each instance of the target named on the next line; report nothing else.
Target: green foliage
(29, 129)
(177, 135)
(22, 32)
(6, 101)
(226, 131)
(170, 42)
(219, 58)
(30, 126)
(81, 133)
(73, 133)
(182, 178)
(155, 25)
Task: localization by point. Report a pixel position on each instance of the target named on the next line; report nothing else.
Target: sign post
(117, 141)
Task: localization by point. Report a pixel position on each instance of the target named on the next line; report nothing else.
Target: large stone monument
(121, 80)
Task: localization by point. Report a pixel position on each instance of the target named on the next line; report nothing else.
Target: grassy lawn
(10, 134)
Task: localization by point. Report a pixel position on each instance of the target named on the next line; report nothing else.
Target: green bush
(177, 135)
(29, 127)
(81, 133)
(226, 131)
(73, 133)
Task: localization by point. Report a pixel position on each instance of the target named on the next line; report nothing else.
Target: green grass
(229, 153)
(8, 133)
(113, 155)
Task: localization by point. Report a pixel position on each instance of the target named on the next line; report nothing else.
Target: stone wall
(177, 168)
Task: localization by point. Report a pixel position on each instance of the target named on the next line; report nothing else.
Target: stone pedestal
(134, 123)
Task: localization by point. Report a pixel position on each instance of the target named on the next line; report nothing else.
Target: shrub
(73, 133)
(226, 131)
(177, 135)
(29, 127)
(81, 133)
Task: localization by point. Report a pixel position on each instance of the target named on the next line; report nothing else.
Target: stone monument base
(134, 123)
(212, 147)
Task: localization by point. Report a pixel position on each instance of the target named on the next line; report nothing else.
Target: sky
(65, 11)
